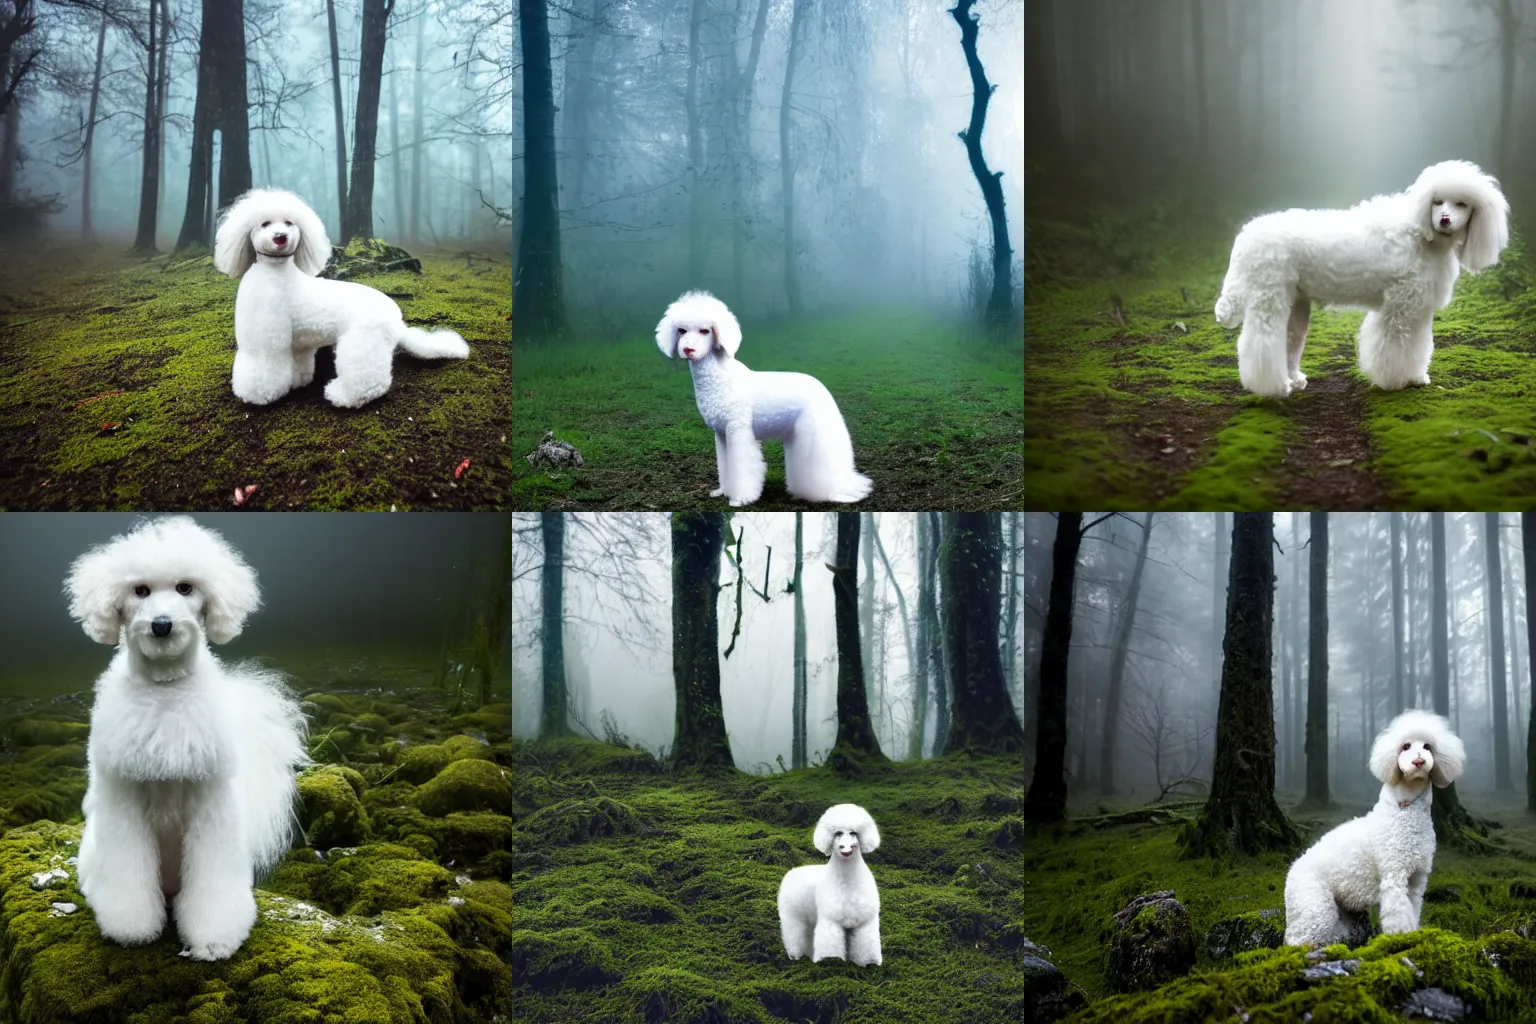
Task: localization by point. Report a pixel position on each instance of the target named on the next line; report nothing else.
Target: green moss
(33, 732)
(331, 813)
(420, 763)
(467, 785)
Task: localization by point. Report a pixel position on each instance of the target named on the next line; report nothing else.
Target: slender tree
(1453, 823)
(1241, 815)
(339, 116)
(1317, 664)
(1528, 552)
(419, 168)
(552, 608)
(943, 670)
(798, 752)
(1000, 311)
(1397, 612)
(786, 163)
(87, 233)
(923, 664)
(149, 175)
(697, 540)
(853, 726)
(697, 240)
(901, 604)
(1046, 800)
(358, 223)
(1493, 615)
(538, 302)
(983, 717)
(1125, 625)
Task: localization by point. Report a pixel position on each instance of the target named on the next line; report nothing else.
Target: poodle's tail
(818, 459)
(271, 731)
(441, 344)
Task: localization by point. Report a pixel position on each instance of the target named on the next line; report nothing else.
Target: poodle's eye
(141, 590)
(682, 330)
(288, 223)
(1461, 206)
(266, 223)
(1426, 746)
(1407, 745)
(183, 589)
(703, 330)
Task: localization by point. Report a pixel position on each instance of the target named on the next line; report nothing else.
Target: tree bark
(1013, 622)
(365, 134)
(532, 8)
(925, 615)
(786, 164)
(1000, 311)
(901, 604)
(697, 540)
(1124, 627)
(1528, 546)
(1397, 612)
(1293, 717)
(697, 242)
(1317, 664)
(853, 725)
(149, 175)
(538, 302)
(343, 229)
(234, 106)
(87, 233)
(1047, 797)
(798, 751)
(943, 671)
(1241, 815)
(397, 180)
(1453, 823)
(552, 646)
(1494, 617)
(983, 717)
(1219, 590)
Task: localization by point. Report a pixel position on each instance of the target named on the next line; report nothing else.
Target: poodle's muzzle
(165, 625)
(276, 240)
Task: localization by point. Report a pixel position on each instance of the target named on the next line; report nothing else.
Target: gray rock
(1152, 943)
(1261, 929)
(552, 454)
(1048, 995)
(1360, 929)
(1436, 1004)
(1329, 970)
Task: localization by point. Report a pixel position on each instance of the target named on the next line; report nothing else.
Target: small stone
(1330, 970)
(60, 909)
(456, 901)
(51, 879)
(1436, 1004)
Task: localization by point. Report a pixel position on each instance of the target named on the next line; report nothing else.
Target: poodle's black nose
(161, 626)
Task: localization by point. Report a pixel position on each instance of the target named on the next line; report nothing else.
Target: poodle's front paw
(1421, 380)
(214, 949)
(214, 927)
(131, 922)
(738, 502)
(717, 492)
(1298, 381)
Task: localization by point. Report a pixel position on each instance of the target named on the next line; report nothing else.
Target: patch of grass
(114, 394)
(934, 412)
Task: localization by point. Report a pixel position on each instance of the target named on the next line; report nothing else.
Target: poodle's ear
(232, 595)
(869, 835)
(666, 334)
(822, 837)
(1384, 757)
(314, 249)
(1450, 758)
(1488, 229)
(1421, 197)
(233, 252)
(727, 330)
(95, 589)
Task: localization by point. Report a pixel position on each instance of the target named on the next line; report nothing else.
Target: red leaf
(458, 470)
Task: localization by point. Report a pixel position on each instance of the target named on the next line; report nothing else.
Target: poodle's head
(1417, 745)
(1456, 199)
(696, 325)
(849, 829)
(160, 588)
(270, 224)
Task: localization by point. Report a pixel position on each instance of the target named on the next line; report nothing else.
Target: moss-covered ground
(115, 394)
(1133, 398)
(1478, 941)
(393, 910)
(933, 407)
(647, 896)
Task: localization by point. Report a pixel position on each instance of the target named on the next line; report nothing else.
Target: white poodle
(833, 909)
(283, 312)
(190, 762)
(1384, 857)
(744, 406)
(1397, 256)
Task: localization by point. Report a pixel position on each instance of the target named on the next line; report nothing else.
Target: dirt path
(1329, 465)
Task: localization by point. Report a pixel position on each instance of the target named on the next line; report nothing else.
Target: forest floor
(1134, 400)
(934, 411)
(1077, 877)
(647, 896)
(115, 394)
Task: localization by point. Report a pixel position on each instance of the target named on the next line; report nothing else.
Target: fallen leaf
(93, 398)
(243, 494)
(1169, 450)
(458, 470)
(110, 426)
(1336, 463)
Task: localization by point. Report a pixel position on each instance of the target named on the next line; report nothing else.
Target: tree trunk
(1494, 617)
(1241, 815)
(1453, 823)
(149, 175)
(1528, 546)
(1000, 311)
(86, 231)
(552, 595)
(233, 122)
(200, 165)
(867, 594)
(343, 228)
(798, 751)
(853, 726)
(925, 616)
(983, 717)
(1013, 622)
(365, 133)
(1124, 627)
(786, 164)
(943, 671)
(1317, 664)
(538, 304)
(901, 603)
(1202, 104)
(162, 88)
(397, 181)
(1293, 718)
(697, 243)
(526, 8)
(697, 540)
(1218, 591)
(1047, 796)
(1397, 612)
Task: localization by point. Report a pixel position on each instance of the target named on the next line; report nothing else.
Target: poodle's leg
(719, 463)
(1417, 882)
(744, 466)
(1261, 348)
(831, 939)
(1311, 913)
(260, 378)
(798, 934)
(864, 943)
(1296, 340)
(303, 366)
(120, 868)
(1396, 344)
(215, 908)
(1396, 907)
(363, 357)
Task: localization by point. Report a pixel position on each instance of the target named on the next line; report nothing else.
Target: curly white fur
(1383, 858)
(743, 406)
(276, 245)
(190, 762)
(833, 909)
(1397, 256)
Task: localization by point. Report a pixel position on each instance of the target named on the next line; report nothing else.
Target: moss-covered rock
(421, 763)
(467, 785)
(1048, 995)
(1152, 942)
(49, 732)
(1260, 929)
(332, 814)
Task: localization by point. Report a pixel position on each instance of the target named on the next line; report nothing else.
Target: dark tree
(1241, 815)
(17, 60)
(1453, 823)
(358, 221)
(983, 717)
(149, 176)
(87, 233)
(221, 106)
(943, 671)
(1397, 612)
(1494, 615)
(341, 131)
(1122, 649)
(538, 303)
(853, 725)
(697, 540)
(1047, 796)
(1000, 312)
(798, 755)
(926, 654)
(1528, 546)
(419, 107)
(786, 164)
(552, 597)
(1317, 664)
